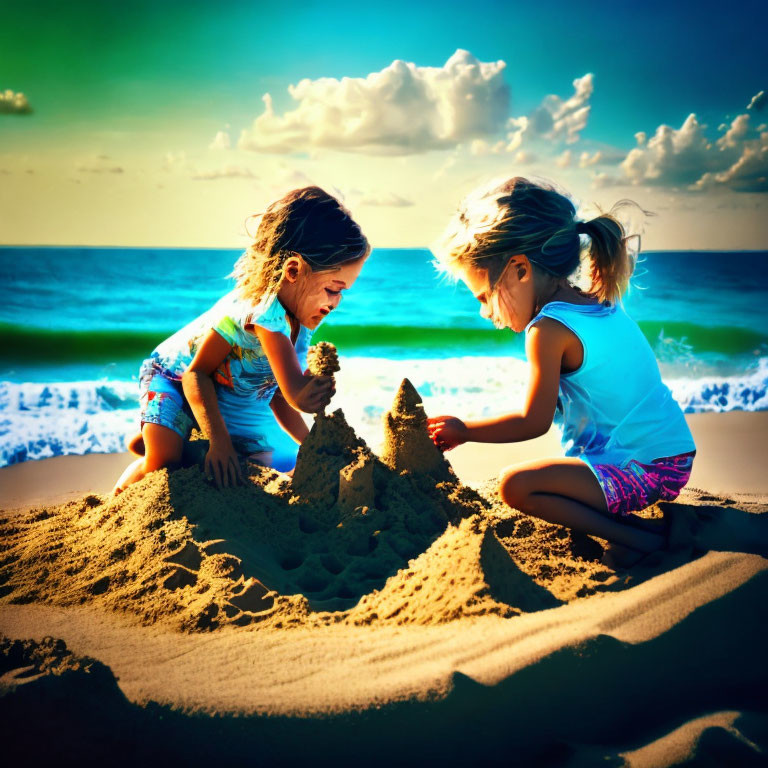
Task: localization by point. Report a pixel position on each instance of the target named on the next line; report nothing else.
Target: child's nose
(334, 301)
(485, 312)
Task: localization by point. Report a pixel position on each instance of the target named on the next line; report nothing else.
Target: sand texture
(376, 606)
(323, 359)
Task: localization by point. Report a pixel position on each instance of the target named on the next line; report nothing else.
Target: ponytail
(610, 262)
(520, 216)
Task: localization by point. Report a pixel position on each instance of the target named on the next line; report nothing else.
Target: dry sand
(374, 610)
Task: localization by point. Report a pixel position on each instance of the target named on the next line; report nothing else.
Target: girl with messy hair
(625, 438)
(237, 371)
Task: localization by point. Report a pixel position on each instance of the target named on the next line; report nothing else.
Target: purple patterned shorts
(637, 486)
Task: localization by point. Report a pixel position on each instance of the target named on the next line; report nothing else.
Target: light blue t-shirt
(615, 407)
(245, 383)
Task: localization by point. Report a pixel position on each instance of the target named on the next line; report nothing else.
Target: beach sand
(384, 610)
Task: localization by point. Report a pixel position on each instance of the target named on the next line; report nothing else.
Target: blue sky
(126, 85)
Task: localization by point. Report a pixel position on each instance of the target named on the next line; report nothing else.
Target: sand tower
(406, 442)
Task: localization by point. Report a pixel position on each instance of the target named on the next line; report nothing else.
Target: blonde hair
(535, 219)
(308, 222)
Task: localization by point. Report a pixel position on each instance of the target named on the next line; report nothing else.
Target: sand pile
(352, 538)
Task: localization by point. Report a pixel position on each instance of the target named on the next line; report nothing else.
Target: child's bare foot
(619, 557)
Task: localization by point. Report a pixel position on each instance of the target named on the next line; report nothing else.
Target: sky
(168, 123)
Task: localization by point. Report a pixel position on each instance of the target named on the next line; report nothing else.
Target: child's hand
(315, 395)
(222, 465)
(447, 432)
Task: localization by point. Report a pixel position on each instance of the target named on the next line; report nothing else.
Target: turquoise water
(76, 322)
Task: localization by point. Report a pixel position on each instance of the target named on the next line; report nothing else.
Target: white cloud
(758, 101)
(748, 174)
(586, 160)
(220, 141)
(555, 119)
(389, 199)
(686, 158)
(564, 160)
(735, 133)
(674, 157)
(402, 109)
(228, 172)
(14, 103)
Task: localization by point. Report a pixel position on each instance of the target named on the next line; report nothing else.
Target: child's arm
(303, 392)
(288, 418)
(221, 461)
(544, 347)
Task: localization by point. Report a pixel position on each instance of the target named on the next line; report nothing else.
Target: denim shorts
(636, 486)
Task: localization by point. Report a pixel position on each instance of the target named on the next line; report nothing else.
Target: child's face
(311, 296)
(510, 303)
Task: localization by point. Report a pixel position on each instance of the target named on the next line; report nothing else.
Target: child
(625, 438)
(237, 369)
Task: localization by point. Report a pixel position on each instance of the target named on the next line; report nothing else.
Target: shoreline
(730, 460)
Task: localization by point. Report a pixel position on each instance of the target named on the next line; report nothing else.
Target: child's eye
(333, 293)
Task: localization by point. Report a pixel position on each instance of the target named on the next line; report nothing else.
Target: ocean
(75, 323)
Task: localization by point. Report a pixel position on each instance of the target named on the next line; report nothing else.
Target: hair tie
(582, 228)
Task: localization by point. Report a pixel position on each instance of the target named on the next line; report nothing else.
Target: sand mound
(352, 538)
(375, 606)
(173, 548)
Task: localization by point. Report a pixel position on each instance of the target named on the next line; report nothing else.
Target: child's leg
(163, 448)
(566, 492)
(136, 445)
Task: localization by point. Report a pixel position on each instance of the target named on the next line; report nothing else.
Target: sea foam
(42, 420)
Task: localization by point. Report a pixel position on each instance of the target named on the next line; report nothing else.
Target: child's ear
(292, 267)
(522, 267)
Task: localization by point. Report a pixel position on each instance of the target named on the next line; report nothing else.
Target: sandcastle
(351, 537)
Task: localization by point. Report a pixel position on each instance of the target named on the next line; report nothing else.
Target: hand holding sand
(323, 362)
(447, 432)
(316, 394)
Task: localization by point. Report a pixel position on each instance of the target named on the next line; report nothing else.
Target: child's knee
(136, 445)
(513, 490)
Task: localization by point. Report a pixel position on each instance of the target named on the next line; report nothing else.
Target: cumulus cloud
(684, 157)
(402, 109)
(228, 172)
(385, 199)
(758, 102)
(14, 103)
(555, 119)
(735, 133)
(563, 160)
(749, 173)
(586, 160)
(220, 141)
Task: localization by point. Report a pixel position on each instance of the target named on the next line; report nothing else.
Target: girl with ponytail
(625, 439)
